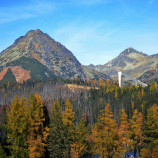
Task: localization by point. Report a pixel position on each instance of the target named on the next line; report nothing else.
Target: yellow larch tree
(136, 131)
(76, 150)
(105, 135)
(124, 132)
(101, 83)
(68, 120)
(68, 117)
(37, 133)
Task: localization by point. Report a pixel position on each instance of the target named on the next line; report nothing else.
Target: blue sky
(94, 30)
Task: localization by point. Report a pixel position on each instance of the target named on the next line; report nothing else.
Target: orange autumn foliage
(124, 133)
(101, 84)
(38, 134)
(76, 150)
(136, 129)
(104, 134)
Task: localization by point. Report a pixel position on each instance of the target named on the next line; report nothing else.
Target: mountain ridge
(56, 60)
(131, 50)
(133, 63)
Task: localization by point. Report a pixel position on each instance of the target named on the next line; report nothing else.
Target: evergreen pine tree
(83, 132)
(2, 153)
(57, 134)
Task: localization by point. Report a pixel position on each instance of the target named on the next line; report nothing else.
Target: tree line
(31, 128)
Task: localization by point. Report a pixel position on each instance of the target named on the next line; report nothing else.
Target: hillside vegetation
(93, 118)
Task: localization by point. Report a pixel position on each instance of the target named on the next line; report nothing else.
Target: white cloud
(33, 9)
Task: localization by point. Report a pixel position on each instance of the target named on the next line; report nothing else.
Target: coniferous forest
(77, 119)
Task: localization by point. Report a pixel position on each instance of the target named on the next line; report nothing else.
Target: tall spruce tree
(57, 134)
(152, 127)
(3, 128)
(83, 132)
(46, 123)
(2, 153)
(81, 145)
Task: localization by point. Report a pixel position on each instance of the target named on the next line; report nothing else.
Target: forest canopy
(60, 119)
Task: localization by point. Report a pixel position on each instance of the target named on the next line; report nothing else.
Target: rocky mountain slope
(94, 74)
(133, 63)
(40, 49)
(149, 75)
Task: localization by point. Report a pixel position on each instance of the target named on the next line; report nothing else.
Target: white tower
(119, 78)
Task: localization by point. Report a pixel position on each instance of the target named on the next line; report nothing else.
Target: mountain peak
(32, 32)
(29, 34)
(40, 46)
(131, 50)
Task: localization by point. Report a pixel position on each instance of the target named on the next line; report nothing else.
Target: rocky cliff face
(40, 46)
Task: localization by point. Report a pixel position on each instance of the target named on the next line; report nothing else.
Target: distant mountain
(131, 50)
(42, 56)
(91, 66)
(133, 63)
